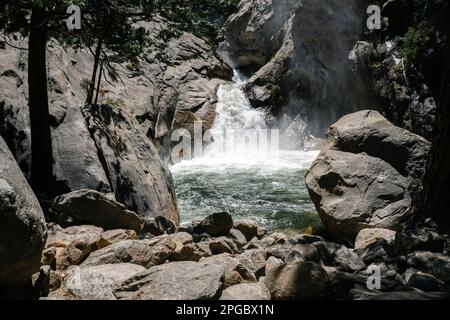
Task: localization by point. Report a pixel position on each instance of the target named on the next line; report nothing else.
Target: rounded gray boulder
(22, 225)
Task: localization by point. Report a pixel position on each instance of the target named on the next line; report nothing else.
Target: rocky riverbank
(372, 245)
(218, 258)
(110, 227)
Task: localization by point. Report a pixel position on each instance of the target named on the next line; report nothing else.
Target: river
(249, 180)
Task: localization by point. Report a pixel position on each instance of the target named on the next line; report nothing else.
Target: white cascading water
(249, 180)
(236, 124)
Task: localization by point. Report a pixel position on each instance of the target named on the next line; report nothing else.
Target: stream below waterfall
(248, 178)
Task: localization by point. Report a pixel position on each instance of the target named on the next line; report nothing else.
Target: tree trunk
(435, 201)
(41, 140)
(98, 51)
(100, 74)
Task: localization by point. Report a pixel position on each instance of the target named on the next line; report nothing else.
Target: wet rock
(380, 68)
(96, 208)
(178, 73)
(216, 225)
(247, 291)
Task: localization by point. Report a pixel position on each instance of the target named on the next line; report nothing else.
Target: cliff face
(299, 51)
(318, 60)
(401, 65)
(116, 148)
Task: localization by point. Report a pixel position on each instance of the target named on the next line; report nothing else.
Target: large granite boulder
(140, 252)
(22, 225)
(60, 238)
(99, 282)
(175, 281)
(139, 178)
(96, 208)
(296, 280)
(367, 174)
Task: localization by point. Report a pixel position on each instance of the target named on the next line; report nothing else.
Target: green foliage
(112, 25)
(112, 22)
(204, 18)
(422, 51)
(419, 43)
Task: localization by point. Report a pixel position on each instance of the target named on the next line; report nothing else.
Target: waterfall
(242, 172)
(238, 130)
